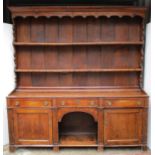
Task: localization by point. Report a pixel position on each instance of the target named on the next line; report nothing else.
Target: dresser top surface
(79, 93)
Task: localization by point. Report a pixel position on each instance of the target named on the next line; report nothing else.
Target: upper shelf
(74, 11)
(77, 70)
(77, 43)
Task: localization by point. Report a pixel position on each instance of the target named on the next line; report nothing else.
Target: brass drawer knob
(17, 103)
(62, 103)
(46, 103)
(92, 103)
(139, 103)
(109, 103)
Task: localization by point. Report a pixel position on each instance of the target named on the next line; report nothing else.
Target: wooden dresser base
(85, 121)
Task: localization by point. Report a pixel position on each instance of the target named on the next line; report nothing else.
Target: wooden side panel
(11, 126)
(123, 127)
(145, 125)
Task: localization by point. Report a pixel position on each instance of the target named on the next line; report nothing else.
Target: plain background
(7, 77)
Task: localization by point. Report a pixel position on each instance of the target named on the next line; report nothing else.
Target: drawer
(123, 103)
(29, 103)
(77, 102)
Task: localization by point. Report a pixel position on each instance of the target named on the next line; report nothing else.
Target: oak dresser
(79, 77)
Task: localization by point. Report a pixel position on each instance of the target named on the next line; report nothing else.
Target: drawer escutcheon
(46, 103)
(62, 103)
(92, 103)
(109, 103)
(139, 103)
(17, 103)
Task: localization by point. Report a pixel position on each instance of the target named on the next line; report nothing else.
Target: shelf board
(74, 140)
(76, 70)
(78, 43)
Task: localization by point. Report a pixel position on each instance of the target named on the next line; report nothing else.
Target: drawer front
(124, 103)
(77, 102)
(23, 103)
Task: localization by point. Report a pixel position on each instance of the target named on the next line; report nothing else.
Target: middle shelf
(78, 43)
(78, 70)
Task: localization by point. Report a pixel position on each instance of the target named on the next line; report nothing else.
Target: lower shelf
(78, 140)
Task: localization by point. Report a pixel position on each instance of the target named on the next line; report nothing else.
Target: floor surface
(85, 151)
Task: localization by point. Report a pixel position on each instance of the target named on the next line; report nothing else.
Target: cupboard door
(33, 127)
(123, 127)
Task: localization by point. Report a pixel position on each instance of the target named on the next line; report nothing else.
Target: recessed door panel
(33, 127)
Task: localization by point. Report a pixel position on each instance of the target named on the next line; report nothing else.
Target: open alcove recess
(78, 128)
(74, 60)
